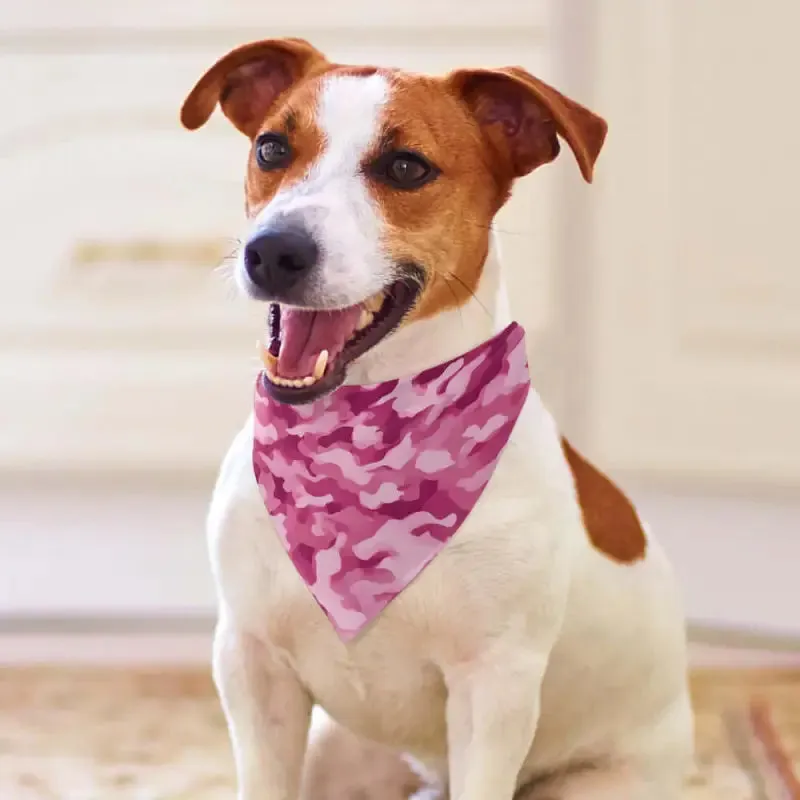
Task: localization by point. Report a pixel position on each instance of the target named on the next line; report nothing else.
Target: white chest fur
(511, 557)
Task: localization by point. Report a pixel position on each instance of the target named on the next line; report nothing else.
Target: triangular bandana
(367, 484)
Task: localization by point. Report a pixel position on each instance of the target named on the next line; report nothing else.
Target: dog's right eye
(273, 151)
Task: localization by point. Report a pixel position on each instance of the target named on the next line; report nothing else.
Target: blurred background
(662, 302)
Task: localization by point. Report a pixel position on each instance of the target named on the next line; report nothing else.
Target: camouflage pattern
(367, 484)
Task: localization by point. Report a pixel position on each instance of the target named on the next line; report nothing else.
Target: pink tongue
(305, 334)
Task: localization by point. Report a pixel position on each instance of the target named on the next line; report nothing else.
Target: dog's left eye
(272, 151)
(403, 169)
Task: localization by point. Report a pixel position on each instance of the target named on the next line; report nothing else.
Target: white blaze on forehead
(348, 115)
(333, 201)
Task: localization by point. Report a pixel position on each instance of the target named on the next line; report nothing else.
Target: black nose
(276, 260)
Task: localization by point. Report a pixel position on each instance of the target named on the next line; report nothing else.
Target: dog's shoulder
(249, 564)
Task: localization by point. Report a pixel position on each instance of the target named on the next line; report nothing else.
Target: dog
(541, 652)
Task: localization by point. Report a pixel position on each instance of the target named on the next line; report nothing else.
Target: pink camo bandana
(367, 484)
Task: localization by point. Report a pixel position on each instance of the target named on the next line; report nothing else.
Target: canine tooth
(374, 303)
(319, 367)
(270, 361)
(365, 318)
(308, 381)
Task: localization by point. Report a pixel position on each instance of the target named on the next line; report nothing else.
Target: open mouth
(309, 350)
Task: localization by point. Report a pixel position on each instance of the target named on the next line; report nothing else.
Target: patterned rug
(748, 735)
(69, 734)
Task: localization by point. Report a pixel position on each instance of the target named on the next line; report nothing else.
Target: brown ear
(248, 80)
(522, 118)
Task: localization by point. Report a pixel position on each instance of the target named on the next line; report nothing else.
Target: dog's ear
(247, 81)
(522, 117)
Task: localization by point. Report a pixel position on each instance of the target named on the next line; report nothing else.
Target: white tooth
(295, 383)
(319, 367)
(365, 318)
(271, 370)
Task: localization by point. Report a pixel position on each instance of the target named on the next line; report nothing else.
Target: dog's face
(371, 192)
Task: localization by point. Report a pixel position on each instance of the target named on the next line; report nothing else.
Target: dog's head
(371, 191)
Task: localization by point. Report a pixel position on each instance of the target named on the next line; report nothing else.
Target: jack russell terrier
(399, 535)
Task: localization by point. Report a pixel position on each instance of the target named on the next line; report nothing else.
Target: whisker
(471, 292)
(456, 301)
(501, 231)
(226, 272)
(449, 285)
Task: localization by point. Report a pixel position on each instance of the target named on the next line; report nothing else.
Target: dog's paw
(341, 766)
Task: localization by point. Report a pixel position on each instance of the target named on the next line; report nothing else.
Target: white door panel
(696, 338)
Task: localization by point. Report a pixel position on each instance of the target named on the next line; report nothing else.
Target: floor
(117, 734)
(747, 734)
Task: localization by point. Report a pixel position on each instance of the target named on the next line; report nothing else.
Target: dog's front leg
(268, 714)
(492, 712)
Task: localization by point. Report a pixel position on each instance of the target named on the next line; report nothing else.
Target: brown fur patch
(248, 80)
(482, 129)
(296, 115)
(444, 226)
(611, 521)
(522, 118)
